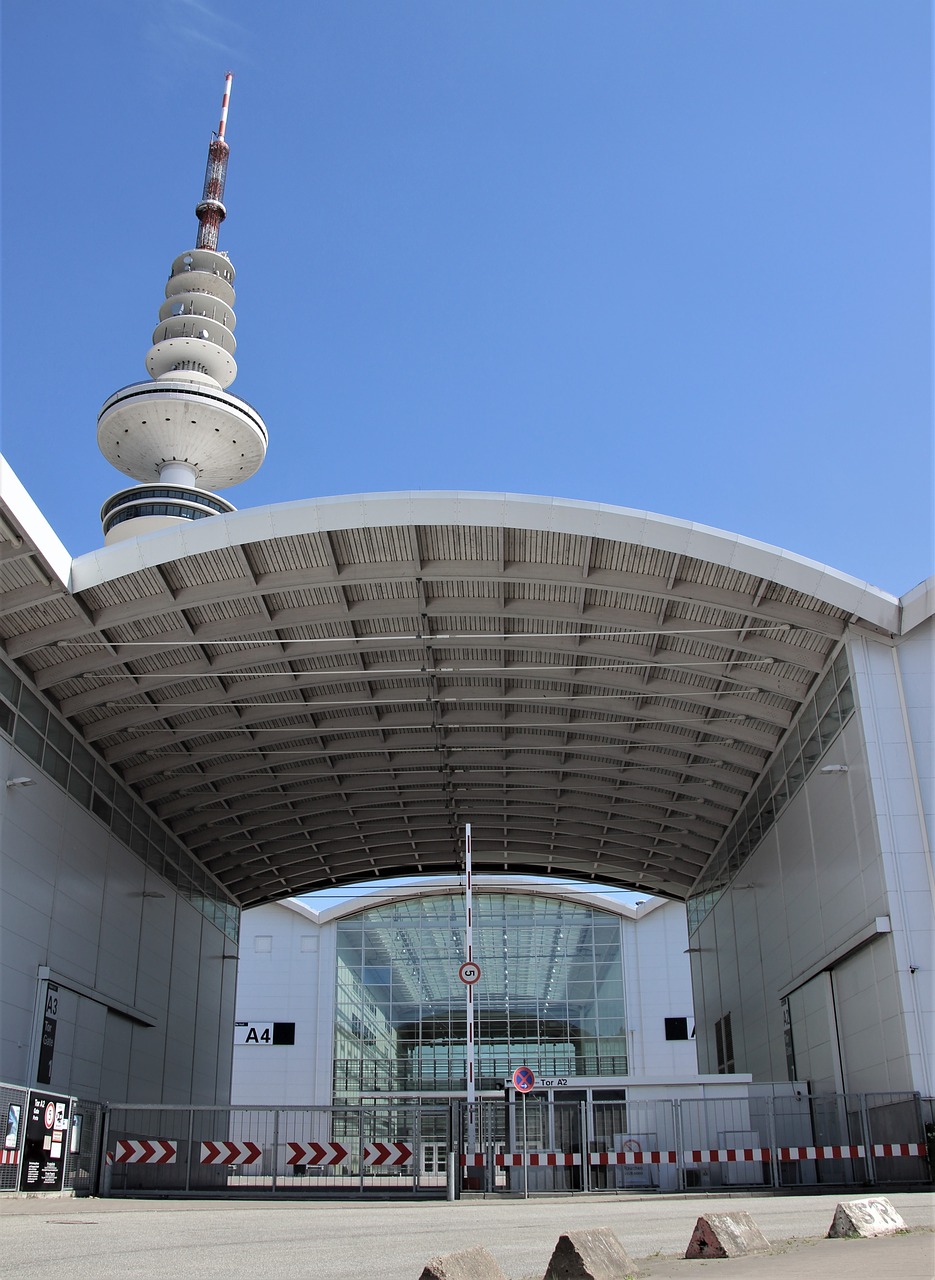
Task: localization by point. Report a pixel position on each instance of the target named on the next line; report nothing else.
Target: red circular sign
(469, 972)
(50, 1115)
(524, 1079)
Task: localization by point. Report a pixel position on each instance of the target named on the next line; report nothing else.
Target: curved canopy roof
(314, 693)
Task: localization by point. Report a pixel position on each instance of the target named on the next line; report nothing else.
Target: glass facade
(551, 993)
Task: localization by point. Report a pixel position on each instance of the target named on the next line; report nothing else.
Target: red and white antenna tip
(225, 103)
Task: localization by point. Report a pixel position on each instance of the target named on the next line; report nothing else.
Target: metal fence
(544, 1142)
(759, 1140)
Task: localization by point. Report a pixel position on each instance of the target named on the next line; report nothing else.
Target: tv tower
(181, 434)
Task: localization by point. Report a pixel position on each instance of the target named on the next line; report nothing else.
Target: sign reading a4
(264, 1033)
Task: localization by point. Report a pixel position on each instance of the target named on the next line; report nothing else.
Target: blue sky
(668, 254)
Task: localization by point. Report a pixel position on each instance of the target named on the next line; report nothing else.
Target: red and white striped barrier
(633, 1157)
(899, 1149)
(538, 1159)
(386, 1153)
(145, 1151)
(719, 1155)
(854, 1152)
(316, 1153)
(727, 1155)
(9, 1157)
(229, 1152)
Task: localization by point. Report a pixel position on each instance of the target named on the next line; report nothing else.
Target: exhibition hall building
(220, 711)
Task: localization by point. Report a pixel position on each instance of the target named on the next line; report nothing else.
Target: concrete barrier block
(592, 1254)
(872, 1217)
(467, 1264)
(726, 1235)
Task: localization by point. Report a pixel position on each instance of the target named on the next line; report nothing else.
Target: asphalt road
(58, 1239)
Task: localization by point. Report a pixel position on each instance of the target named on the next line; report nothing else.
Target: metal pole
(585, 1145)
(469, 957)
(274, 1180)
(870, 1164)
(525, 1155)
(106, 1168)
(360, 1147)
(677, 1130)
(771, 1139)
(191, 1132)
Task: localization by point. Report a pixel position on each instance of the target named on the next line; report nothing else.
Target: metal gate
(380, 1148)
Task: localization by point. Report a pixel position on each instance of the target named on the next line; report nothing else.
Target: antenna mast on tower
(210, 211)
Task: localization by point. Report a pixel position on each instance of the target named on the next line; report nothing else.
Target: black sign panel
(47, 1043)
(45, 1148)
(46, 1050)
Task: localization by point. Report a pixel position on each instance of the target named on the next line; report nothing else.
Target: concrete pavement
(61, 1239)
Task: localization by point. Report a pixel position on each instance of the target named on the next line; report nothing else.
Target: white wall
(897, 701)
(72, 903)
(658, 985)
(287, 974)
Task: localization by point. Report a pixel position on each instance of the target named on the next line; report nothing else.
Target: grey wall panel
(815, 1036)
(73, 902)
(866, 999)
(820, 876)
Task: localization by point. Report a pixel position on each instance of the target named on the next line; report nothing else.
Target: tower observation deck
(181, 435)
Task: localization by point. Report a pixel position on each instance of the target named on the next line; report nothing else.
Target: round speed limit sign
(469, 972)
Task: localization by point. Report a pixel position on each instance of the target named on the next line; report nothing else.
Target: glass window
(120, 826)
(123, 801)
(60, 736)
(82, 759)
(101, 808)
(33, 710)
(808, 721)
(10, 684)
(104, 782)
(28, 739)
(824, 694)
(841, 667)
(542, 999)
(80, 788)
(811, 751)
(55, 764)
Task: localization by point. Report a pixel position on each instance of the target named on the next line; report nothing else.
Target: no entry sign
(524, 1079)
